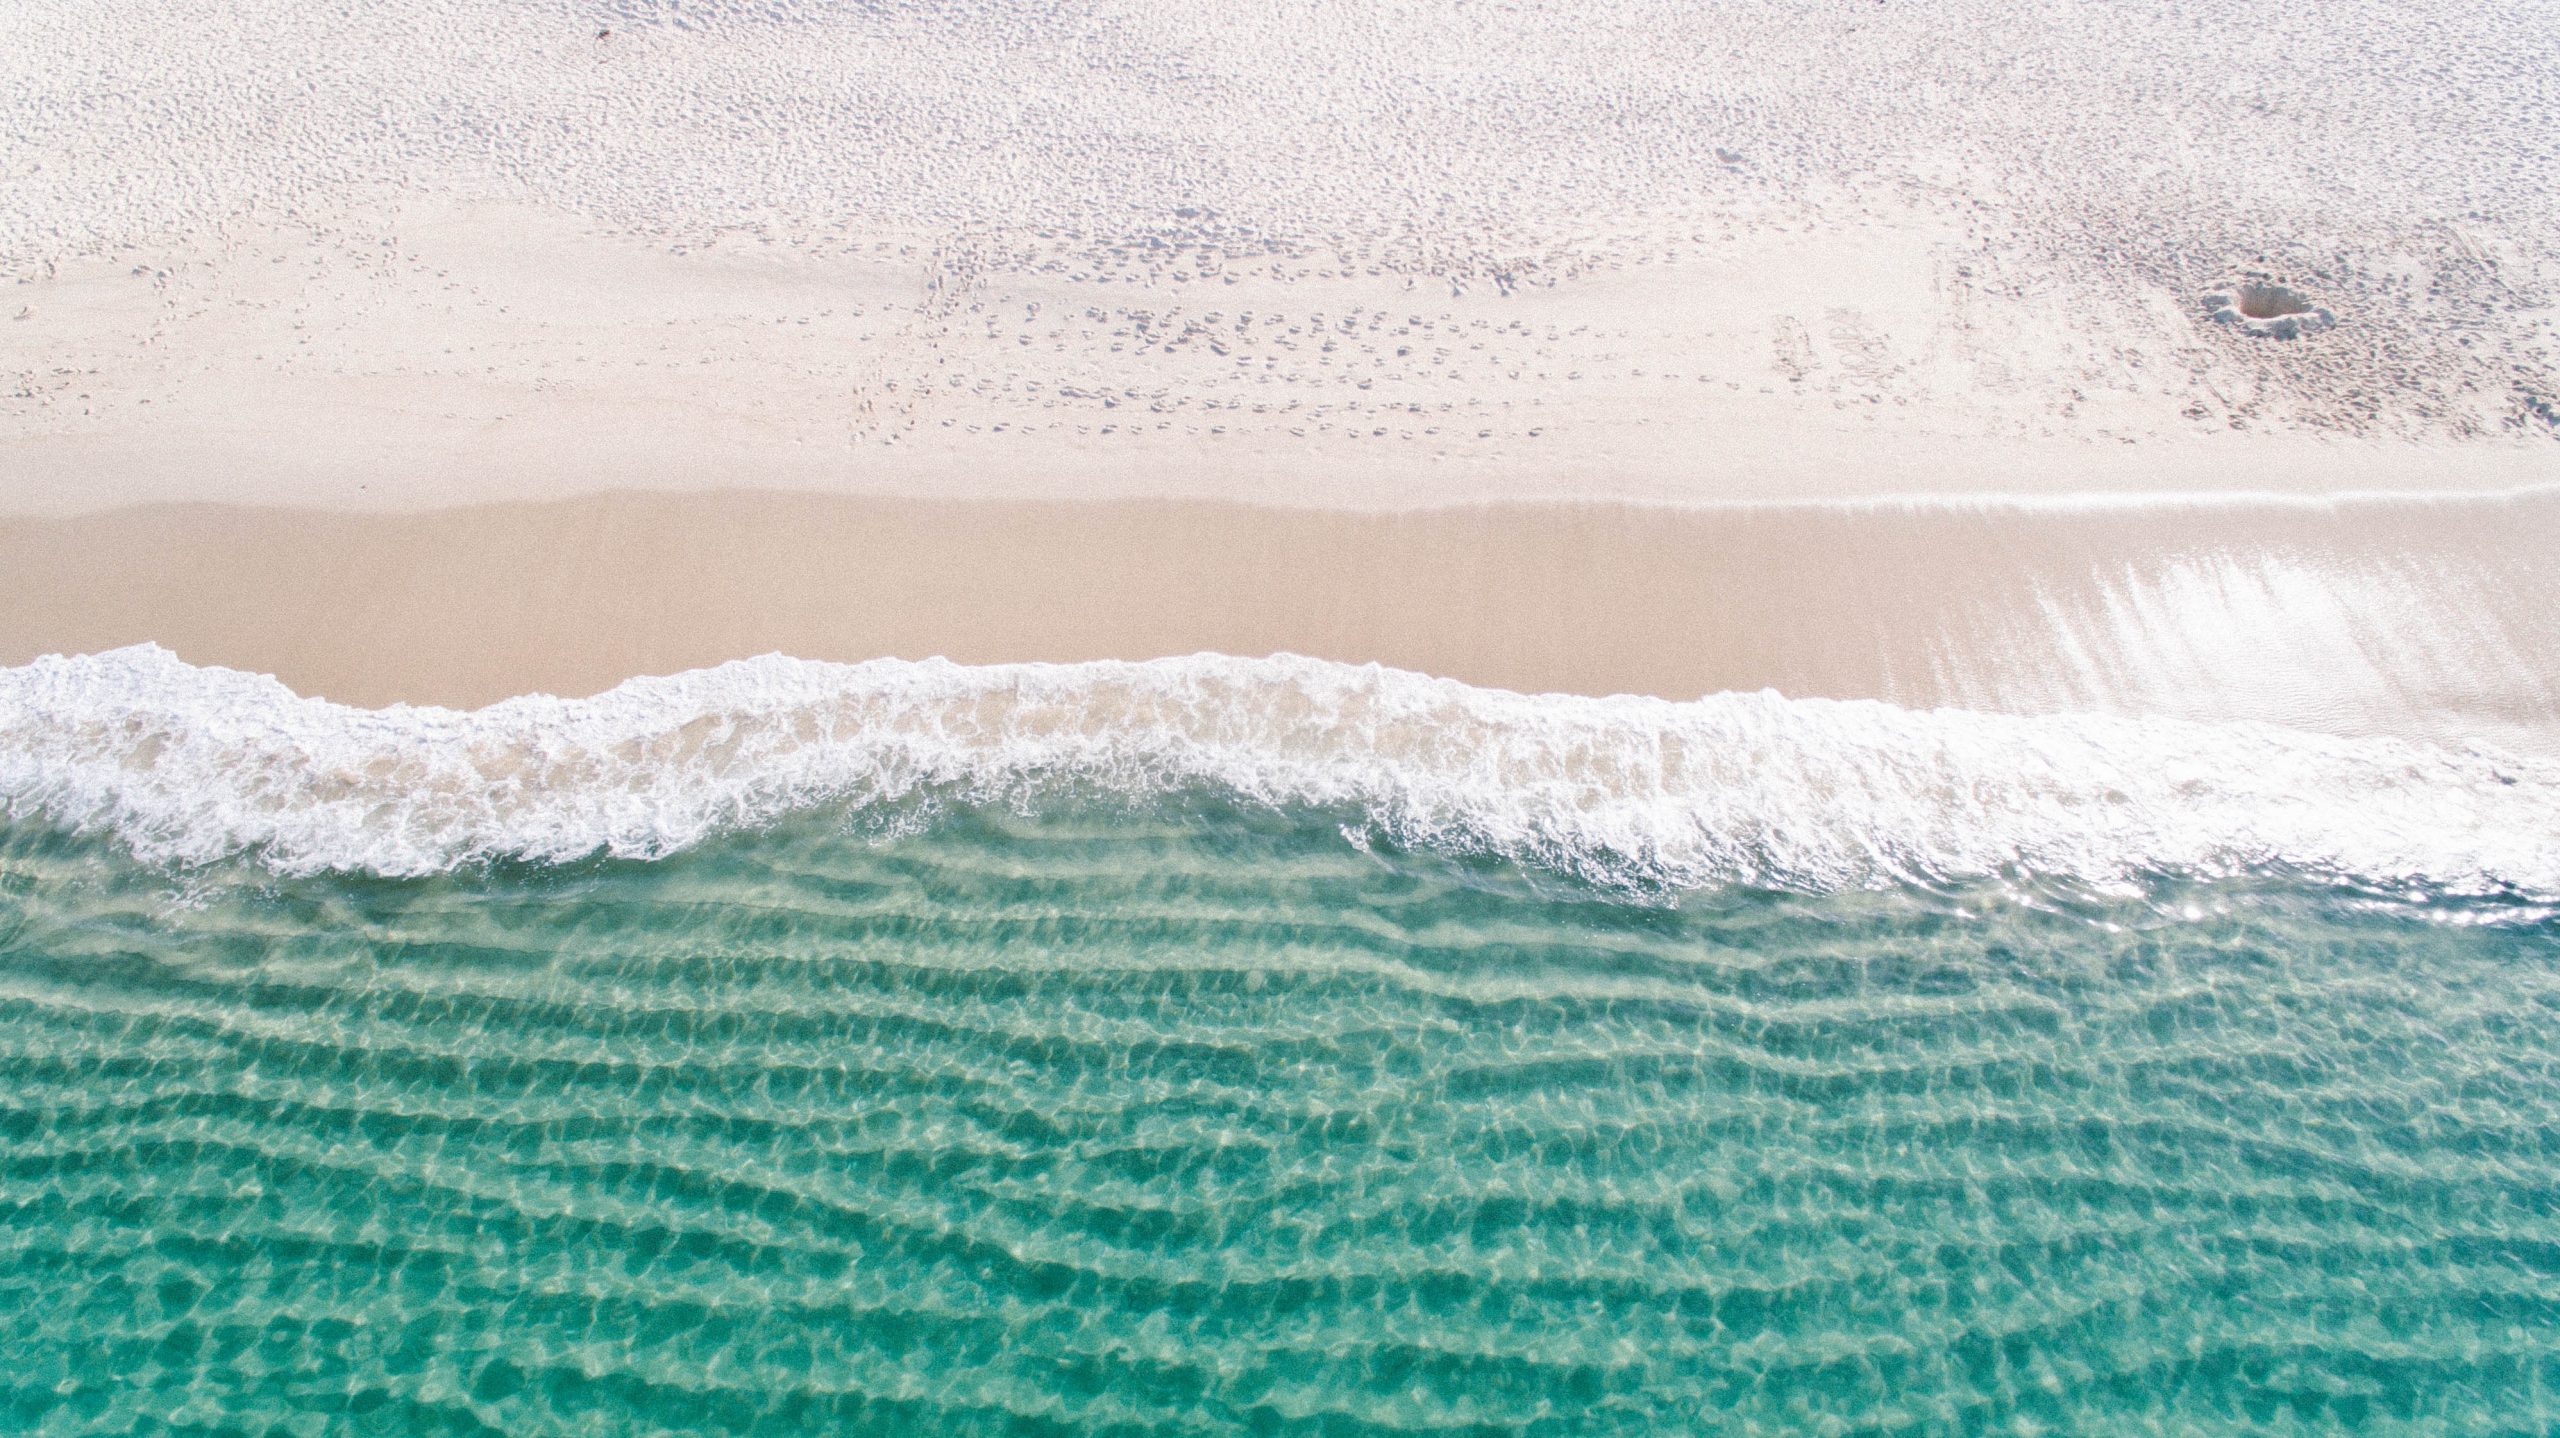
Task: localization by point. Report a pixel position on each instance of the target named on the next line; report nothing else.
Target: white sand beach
(478, 255)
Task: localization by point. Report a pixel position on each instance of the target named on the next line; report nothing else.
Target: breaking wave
(189, 765)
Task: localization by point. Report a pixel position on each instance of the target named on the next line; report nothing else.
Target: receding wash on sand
(797, 716)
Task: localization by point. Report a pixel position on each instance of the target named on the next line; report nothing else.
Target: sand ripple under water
(1193, 1119)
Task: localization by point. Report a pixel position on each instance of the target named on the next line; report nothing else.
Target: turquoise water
(1192, 1117)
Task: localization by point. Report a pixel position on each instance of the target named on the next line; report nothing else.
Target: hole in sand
(2268, 309)
(2270, 302)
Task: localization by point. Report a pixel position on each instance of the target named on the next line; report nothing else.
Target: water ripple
(1209, 1128)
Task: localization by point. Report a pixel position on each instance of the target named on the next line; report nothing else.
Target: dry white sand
(1326, 253)
(489, 352)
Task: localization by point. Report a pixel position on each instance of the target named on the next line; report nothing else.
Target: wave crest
(190, 765)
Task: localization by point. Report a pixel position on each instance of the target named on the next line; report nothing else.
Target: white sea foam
(188, 765)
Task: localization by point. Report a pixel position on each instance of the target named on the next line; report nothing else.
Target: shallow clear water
(1195, 1117)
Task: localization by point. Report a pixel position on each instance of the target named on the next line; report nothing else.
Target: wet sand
(2437, 618)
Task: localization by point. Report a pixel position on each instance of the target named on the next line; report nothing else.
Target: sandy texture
(561, 342)
(2438, 620)
(1320, 254)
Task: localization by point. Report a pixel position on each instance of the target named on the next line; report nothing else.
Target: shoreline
(2436, 619)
